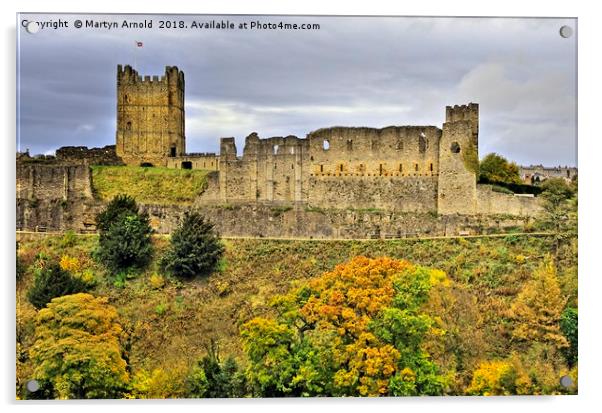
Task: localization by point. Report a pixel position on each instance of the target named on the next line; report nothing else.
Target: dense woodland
(130, 314)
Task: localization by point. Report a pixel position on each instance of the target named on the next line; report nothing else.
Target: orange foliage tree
(354, 331)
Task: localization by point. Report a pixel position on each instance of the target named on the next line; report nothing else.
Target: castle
(397, 168)
(337, 182)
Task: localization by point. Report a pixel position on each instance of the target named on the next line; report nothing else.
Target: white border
(589, 152)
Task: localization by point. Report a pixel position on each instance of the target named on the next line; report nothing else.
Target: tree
(535, 371)
(210, 378)
(119, 205)
(494, 378)
(569, 327)
(20, 267)
(52, 281)
(538, 307)
(160, 383)
(355, 331)
(77, 353)
(559, 210)
(495, 168)
(127, 243)
(195, 248)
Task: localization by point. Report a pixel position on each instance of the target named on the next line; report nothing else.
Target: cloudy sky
(370, 71)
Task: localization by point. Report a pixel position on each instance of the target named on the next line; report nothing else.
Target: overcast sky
(370, 71)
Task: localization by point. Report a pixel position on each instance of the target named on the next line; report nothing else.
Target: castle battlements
(406, 168)
(129, 75)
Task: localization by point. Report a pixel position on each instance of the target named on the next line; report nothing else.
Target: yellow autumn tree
(538, 308)
(77, 353)
(536, 371)
(502, 378)
(354, 331)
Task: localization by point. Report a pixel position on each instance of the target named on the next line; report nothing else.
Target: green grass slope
(148, 185)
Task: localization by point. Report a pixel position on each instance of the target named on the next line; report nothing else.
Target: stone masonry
(336, 182)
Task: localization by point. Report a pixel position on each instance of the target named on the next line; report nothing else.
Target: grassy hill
(168, 323)
(148, 185)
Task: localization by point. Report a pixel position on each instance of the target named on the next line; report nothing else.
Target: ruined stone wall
(94, 156)
(209, 161)
(491, 202)
(260, 220)
(39, 181)
(150, 116)
(393, 168)
(408, 194)
(54, 196)
(270, 171)
(57, 197)
(393, 151)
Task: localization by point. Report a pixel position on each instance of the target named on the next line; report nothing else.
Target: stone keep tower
(459, 160)
(150, 116)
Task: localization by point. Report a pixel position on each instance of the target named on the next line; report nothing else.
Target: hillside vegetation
(148, 185)
(170, 323)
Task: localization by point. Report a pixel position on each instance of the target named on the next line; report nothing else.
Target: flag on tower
(138, 44)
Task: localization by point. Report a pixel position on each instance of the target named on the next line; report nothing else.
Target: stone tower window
(399, 145)
(416, 167)
(455, 147)
(322, 168)
(326, 144)
(431, 167)
(128, 126)
(422, 143)
(380, 169)
(400, 168)
(275, 149)
(341, 167)
(349, 145)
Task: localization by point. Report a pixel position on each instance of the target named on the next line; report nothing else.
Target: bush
(195, 248)
(569, 327)
(158, 384)
(501, 189)
(51, 282)
(211, 378)
(68, 240)
(121, 204)
(535, 371)
(127, 243)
